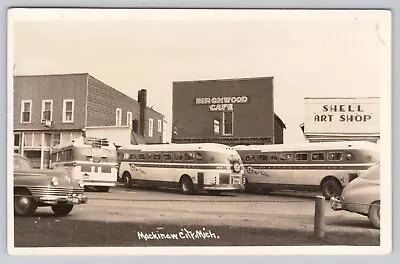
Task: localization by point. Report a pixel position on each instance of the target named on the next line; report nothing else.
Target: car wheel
(331, 188)
(24, 204)
(62, 209)
(186, 185)
(374, 214)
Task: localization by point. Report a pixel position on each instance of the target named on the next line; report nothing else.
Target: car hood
(62, 175)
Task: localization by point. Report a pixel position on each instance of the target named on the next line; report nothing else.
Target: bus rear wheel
(126, 177)
(331, 187)
(186, 185)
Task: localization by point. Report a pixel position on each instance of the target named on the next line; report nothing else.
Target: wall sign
(221, 103)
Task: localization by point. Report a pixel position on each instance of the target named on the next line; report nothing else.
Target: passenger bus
(92, 159)
(326, 167)
(188, 167)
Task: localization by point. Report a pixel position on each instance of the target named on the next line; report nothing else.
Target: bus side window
(133, 156)
(141, 156)
(301, 156)
(250, 157)
(199, 156)
(178, 156)
(262, 157)
(334, 156)
(167, 156)
(318, 156)
(285, 156)
(189, 156)
(349, 156)
(126, 156)
(157, 156)
(273, 157)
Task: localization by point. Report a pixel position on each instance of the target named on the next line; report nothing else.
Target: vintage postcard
(195, 132)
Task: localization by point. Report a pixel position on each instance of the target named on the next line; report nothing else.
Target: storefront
(228, 111)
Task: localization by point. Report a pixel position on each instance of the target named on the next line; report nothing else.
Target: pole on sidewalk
(319, 217)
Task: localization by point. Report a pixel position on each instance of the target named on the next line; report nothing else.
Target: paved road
(289, 210)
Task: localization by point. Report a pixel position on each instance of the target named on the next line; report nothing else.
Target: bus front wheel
(331, 187)
(186, 185)
(127, 180)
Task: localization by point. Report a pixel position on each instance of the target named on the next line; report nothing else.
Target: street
(284, 218)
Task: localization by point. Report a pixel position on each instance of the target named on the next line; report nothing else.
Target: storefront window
(28, 139)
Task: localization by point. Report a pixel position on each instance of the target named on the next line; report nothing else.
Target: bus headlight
(54, 181)
(81, 184)
(236, 167)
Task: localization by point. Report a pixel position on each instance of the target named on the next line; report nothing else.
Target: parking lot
(152, 210)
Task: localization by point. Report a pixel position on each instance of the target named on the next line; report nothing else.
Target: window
(157, 156)
(17, 140)
(262, 157)
(66, 137)
(141, 156)
(216, 127)
(273, 157)
(47, 110)
(334, 156)
(151, 124)
(135, 126)
(159, 125)
(56, 139)
(318, 156)
(26, 110)
(178, 156)
(68, 110)
(28, 139)
(167, 156)
(133, 156)
(285, 156)
(189, 156)
(37, 139)
(129, 119)
(250, 158)
(118, 117)
(301, 156)
(199, 156)
(227, 118)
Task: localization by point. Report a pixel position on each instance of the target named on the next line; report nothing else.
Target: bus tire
(24, 204)
(331, 187)
(126, 177)
(186, 185)
(374, 214)
(62, 209)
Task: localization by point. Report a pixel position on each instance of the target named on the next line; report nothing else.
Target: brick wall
(103, 101)
(157, 135)
(50, 87)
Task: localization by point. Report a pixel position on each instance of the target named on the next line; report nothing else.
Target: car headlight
(54, 181)
(236, 167)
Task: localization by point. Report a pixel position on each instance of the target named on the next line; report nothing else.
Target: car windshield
(373, 173)
(22, 163)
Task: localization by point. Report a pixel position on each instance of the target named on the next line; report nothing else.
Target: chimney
(142, 99)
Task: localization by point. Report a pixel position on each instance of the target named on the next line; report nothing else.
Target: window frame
(129, 121)
(64, 113)
(22, 111)
(223, 123)
(43, 109)
(118, 117)
(151, 127)
(159, 125)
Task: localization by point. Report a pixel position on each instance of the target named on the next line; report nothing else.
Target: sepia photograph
(199, 132)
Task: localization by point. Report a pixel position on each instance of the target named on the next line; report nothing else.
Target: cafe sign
(221, 103)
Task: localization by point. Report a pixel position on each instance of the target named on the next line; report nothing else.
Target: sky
(309, 54)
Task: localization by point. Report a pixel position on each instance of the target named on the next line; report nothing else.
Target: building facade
(227, 111)
(51, 109)
(342, 119)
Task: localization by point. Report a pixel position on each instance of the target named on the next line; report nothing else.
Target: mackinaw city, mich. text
(212, 159)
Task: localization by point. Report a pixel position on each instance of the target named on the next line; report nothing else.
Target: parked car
(35, 187)
(362, 195)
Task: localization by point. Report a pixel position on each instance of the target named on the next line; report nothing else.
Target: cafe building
(342, 119)
(227, 111)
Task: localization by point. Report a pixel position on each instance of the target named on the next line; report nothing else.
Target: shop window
(26, 111)
(227, 123)
(28, 139)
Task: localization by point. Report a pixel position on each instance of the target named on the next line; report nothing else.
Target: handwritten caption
(181, 235)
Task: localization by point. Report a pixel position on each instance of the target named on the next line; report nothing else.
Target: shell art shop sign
(221, 103)
(358, 115)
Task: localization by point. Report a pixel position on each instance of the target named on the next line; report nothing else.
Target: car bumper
(52, 199)
(336, 204)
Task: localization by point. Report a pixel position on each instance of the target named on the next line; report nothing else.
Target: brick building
(50, 109)
(227, 111)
